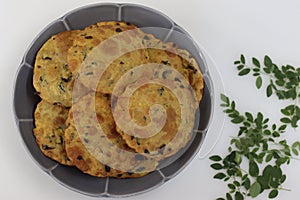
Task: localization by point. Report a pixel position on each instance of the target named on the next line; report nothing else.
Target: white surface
(224, 28)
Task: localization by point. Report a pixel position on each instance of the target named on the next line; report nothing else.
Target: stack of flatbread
(65, 61)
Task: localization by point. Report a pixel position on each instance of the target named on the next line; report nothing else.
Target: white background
(224, 28)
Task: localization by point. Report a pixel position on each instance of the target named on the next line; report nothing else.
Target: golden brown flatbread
(52, 78)
(86, 148)
(181, 60)
(85, 60)
(49, 130)
(171, 138)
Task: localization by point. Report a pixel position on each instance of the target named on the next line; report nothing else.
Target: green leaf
(237, 120)
(267, 132)
(237, 62)
(276, 172)
(226, 179)
(292, 93)
(274, 183)
(238, 196)
(259, 119)
(290, 108)
(275, 134)
(231, 156)
(275, 154)
(256, 70)
(266, 121)
(236, 183)
(242, 58)
(284, 69)
(220, 198)
(295, 151)
(267, 70)
(220, 176)
(228, 196)
(239, 67)
(256, 62)
(244, 72)
(247, 124)
(231, 171)
(255, 190)
(290, 67)
(215, 158)
(247, 183)
(258, 82)
(228, 111)
(282, 179)
(298, 109)
(269, 90)
(285, 112)
(255, 149)
(216, 166)
(242, 130)
(268, 62)
(294, 121)
(291, 74)
(285, 120)
(280, 82)
(224, 98)
(239, 173)
(296, 144)
(262, 155)
(233, 105)
(269, 157)
(237, 158)
(273, 194)
(244, 177)
(265, 146)
(282, 127)
(231, 186)
(249, 116)
(253, 169)
(264, 182)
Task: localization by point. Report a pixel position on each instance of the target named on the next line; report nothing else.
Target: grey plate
(25, 100)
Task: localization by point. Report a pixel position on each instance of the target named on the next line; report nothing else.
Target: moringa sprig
(283, 81)
(257, 144)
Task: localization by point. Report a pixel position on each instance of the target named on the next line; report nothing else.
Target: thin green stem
(294, 158)
(284, 189)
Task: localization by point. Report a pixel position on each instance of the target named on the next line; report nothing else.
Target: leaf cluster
(283, 81)
(258, 144)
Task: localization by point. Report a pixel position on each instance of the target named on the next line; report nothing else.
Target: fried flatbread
(86, 149)
(171, 138)
(49, 130)
(168, 53)
(52, 78)
(85, 61)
